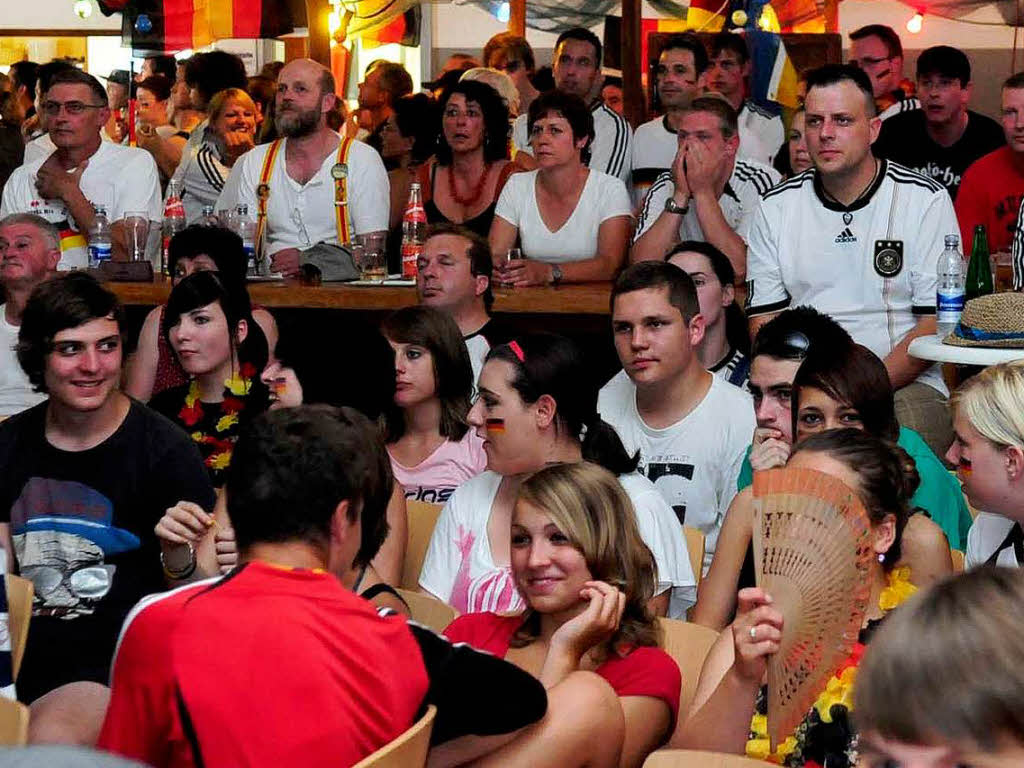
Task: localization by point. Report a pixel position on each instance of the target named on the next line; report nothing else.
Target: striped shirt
(747, 184)
(611, 151)
(202, 178)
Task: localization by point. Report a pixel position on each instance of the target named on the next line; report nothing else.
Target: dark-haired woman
(208, 329)
(472, 164)
(571, 223)
(726, 346)
(432, 448)
(408, 138)
(581, 565)
(534, 409)
(154, 368)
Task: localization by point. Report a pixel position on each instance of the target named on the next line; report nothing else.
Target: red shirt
(990, 194)
(265, 667)
(645, 671)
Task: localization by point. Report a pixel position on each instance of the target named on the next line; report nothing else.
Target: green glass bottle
(979, 270)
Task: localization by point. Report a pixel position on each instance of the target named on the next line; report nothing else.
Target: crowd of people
(209, 504)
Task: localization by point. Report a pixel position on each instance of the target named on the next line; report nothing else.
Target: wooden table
(586, 299)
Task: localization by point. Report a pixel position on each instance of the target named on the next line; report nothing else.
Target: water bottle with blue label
(246, 228)
(100, 245)
(951, 274)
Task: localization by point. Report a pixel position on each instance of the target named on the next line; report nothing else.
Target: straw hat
(996, 320)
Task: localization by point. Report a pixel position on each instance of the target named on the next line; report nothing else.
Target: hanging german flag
(377, 22)
(174, 25)
(403, 29)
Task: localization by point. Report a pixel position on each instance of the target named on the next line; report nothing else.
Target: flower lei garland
(237, 387)
(838, 690)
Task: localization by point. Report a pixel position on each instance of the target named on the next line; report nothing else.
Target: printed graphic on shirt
(427, 495)
(493, 591)
(62, 535)
(672, 479)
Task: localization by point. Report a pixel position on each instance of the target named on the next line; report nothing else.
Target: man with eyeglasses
(761, 132)
(83, 173)
(679, 79)
(944, 137)
(513, 56)
(87, 474)
(577, 70)
(709, 195)
(315, 188)
(857, 237)
(877, 50)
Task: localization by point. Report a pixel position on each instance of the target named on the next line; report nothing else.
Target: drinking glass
(372, 259)
(136, 224)
(514, 254)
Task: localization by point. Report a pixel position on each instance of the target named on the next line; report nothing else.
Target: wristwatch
(672, 207)
(556, 274)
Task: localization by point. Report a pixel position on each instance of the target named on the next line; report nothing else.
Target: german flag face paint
(495, 426)
(964, 467)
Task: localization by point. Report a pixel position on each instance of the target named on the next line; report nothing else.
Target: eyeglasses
(52, 108)
(869, 61)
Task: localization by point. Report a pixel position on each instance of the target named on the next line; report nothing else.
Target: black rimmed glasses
(52, 108)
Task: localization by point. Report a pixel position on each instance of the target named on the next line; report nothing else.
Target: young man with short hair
(577, 70)
(993, 186)
(877, 50)
(513, 55)
(87, 475)
(691, 428)
(857, 238)
(709, 194)
(761, 133)
(942, 138)
(454, 275)
(29, 252)
(83, 172)
(679, 79)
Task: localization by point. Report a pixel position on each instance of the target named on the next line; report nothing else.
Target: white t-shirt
(460, 569)
(39, 147)
(747, 184)
(610, 151)
(15, 390)
(119, 178)
(654, 148)
(478, 346)
(300, 216)
(805, 248)
(761, 133)
(603, 197)
(695, 462)
(987, 533)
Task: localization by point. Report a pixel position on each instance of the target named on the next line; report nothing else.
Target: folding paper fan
(812, 552)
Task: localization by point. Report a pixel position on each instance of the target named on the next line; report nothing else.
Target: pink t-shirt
(448, 467)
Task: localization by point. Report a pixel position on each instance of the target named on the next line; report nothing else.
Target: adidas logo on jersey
(846, 236)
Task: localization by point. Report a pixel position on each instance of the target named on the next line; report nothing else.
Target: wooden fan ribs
(812, 552)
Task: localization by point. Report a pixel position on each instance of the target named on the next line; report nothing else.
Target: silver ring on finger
(753, 633)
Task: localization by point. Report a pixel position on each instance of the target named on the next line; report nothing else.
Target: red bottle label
(410, 255)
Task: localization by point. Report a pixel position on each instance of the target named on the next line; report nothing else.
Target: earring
(881, 557)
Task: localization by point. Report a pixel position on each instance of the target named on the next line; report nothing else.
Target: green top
(938, 494)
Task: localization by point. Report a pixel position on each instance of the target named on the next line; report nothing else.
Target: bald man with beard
(298, 182)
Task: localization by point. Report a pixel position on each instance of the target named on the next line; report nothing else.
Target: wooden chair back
(13, 723)
(958, 560)
(19, 606)
(695, 546)
(407, 751)
(688, 644)
(428, 611)
(690, 758)
(422, 519)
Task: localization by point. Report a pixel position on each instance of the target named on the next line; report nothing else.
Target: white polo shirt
(654, 148)
(39, 147)
(805, 248)
(611, 151)
(747, 184)
(302, 215)
(761, 133)
(121, 179)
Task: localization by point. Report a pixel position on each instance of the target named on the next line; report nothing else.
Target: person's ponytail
(602, 445)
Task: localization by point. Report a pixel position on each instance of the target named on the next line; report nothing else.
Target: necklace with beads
(467, 202)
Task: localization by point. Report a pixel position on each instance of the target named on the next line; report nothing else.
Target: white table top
(932, 348)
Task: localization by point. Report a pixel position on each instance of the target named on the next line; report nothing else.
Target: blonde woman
(943, 681)
(587, 578)
(231, 133)
(988, 452)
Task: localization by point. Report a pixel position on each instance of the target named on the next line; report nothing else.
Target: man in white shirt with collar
(858, 239)
(761, 133)
(691, 428)
(83, 173)
(709, 195)
(577, 70)
(316, 187)
(679, 79)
